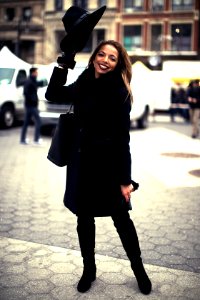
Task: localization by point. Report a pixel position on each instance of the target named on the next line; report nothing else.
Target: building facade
(151, 30)
(54, 29)
(158, 30)
(22, 28)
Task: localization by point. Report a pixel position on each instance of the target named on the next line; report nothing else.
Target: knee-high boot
(86, 235)
(130, 242)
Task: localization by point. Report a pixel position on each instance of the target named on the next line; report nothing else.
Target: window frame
(151, 37)
(182, 6)
(132, 7)
(58, 5)
(81, 3)
(9, 11)
(160, 7)
(27, 17)
(133, 46)
(181, 37)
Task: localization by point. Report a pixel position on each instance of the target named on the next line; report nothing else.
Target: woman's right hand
(126, 191)
(66, 61)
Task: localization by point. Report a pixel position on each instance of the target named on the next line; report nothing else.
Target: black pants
(125, 228)
(31, 112)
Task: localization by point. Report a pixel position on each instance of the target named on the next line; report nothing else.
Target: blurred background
(162, 38)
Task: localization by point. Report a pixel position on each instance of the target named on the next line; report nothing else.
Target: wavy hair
(124, 64)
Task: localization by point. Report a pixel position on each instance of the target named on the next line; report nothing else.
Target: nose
(106, 58)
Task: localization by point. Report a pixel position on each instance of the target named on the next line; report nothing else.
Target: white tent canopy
(8, 59)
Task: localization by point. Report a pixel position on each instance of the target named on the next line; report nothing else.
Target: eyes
(111, 57)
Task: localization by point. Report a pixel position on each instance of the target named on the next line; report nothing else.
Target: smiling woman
(105, 60)
(99, 179)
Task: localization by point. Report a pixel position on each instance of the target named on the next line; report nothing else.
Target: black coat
(30, 92)
(102, 160)
(194, 92)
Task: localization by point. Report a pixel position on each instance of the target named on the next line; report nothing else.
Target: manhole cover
(181, 155)
(195, 172)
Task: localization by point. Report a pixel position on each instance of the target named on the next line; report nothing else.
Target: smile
(103, 67)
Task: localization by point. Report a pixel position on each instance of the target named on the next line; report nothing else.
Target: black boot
(88, 276)
(86, 235)
(143, 280)
(130, 242)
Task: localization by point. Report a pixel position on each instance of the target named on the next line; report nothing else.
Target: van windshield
(6, 75)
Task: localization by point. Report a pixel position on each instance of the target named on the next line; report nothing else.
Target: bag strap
(70, 111)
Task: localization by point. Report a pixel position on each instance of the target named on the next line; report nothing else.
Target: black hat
(79, 24)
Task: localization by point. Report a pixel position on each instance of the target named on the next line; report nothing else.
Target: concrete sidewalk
(39, 251)
(31, 271)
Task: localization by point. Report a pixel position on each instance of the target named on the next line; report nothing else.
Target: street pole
(17, 44)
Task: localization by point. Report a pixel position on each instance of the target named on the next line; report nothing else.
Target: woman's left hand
(126, 191)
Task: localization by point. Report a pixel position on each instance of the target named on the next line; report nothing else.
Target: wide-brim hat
(79, 24)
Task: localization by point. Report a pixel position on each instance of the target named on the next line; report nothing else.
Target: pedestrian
(193, 94)
(178, 102)
(31, 106)
(99, 180)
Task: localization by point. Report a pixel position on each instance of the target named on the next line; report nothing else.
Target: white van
(13, 73)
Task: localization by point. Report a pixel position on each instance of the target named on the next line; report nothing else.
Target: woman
(99, 174)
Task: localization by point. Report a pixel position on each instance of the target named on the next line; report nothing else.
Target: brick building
(22, 28)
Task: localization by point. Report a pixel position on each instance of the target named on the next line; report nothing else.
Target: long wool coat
(101, 160)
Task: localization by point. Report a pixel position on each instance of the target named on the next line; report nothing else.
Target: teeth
(103, 67)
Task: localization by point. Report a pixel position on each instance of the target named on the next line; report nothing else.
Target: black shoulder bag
(62, 143)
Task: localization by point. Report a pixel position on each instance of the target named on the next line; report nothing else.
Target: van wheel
(142, 123)
(7, 117)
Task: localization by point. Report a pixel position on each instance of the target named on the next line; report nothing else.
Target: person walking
(178, 102)
(99, 182)
(31, 106)
(193, 94)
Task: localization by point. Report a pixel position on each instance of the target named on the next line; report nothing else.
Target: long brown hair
(123, 65)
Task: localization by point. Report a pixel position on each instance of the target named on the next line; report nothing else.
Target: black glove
(67, 60)
(135, 185)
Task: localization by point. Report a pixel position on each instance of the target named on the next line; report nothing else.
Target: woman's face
(105, 60)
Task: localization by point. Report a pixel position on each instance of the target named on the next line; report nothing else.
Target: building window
(81, 3)
(132, 37)
(58, 4)
(157, 5)
(59, 35)
(133, 5)
(156, 37)
(96, 37)
(10, 14)
(181, 37)
(102, 3)
(182, 4)
(27, 13)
